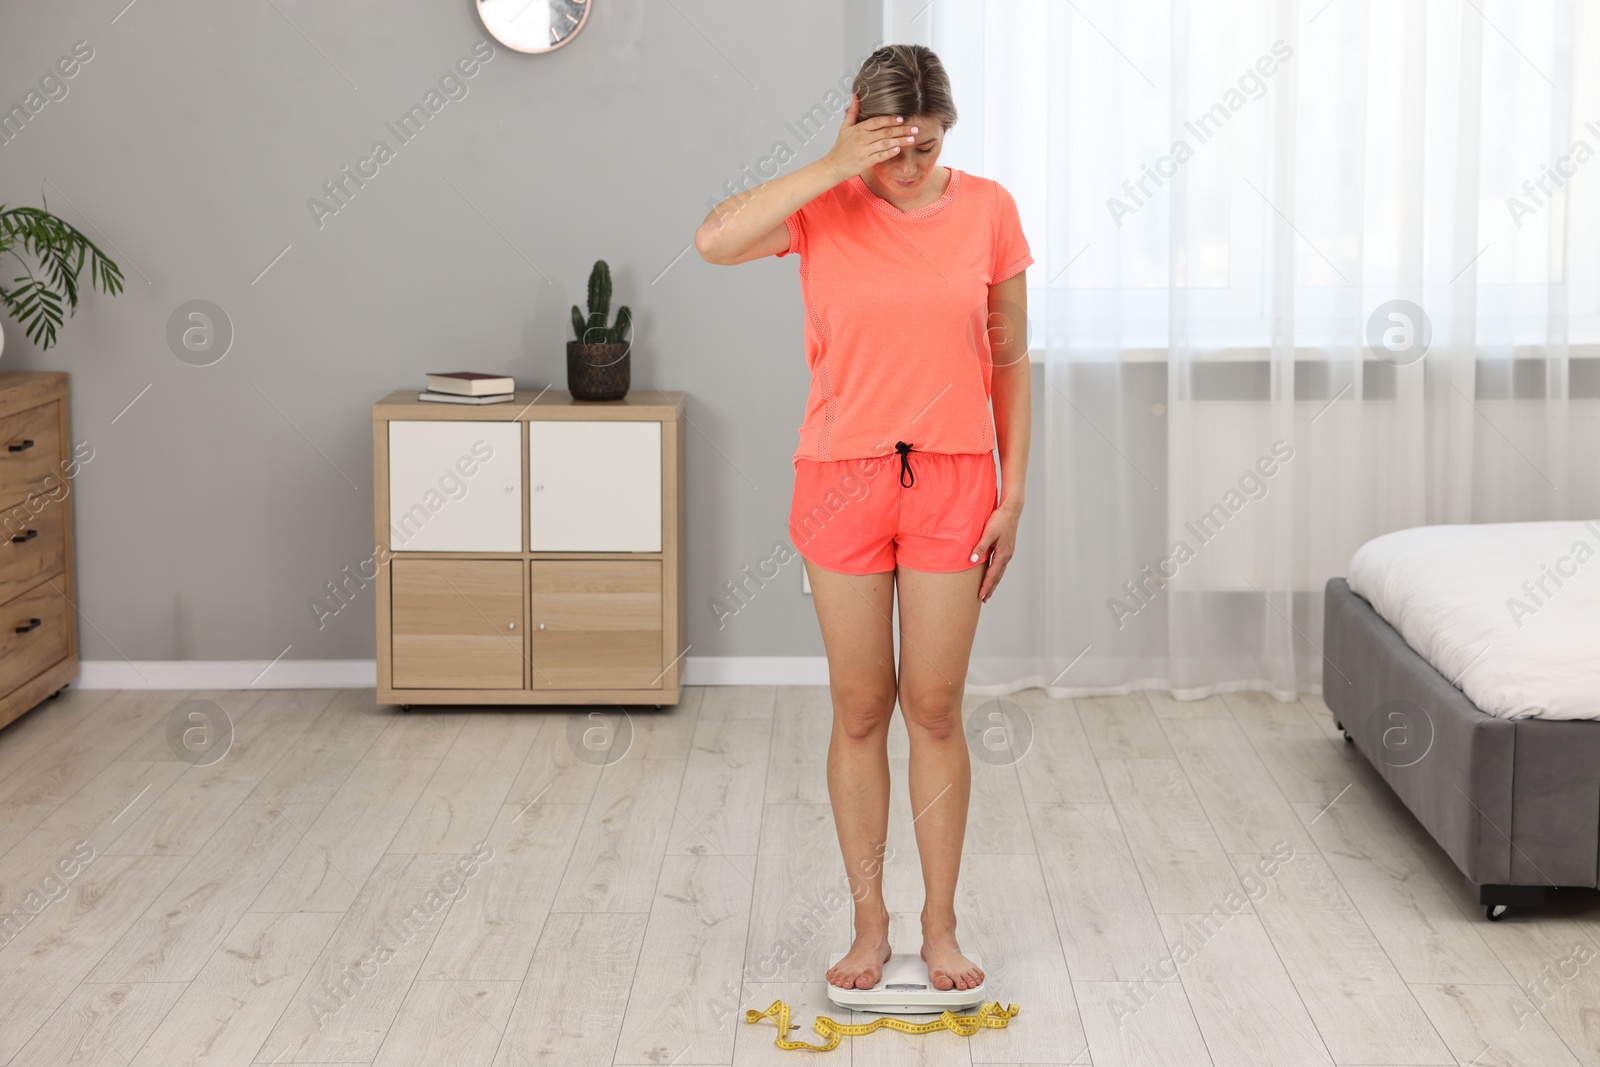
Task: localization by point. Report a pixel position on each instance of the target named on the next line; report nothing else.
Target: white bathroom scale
(905, 988)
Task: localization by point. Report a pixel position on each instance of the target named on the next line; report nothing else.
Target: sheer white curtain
(1223, 199)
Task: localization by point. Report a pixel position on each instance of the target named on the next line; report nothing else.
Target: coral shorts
(921, 510)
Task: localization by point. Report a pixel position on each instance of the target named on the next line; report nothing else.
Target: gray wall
(217, 506)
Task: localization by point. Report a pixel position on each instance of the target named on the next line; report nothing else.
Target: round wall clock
(533, 25)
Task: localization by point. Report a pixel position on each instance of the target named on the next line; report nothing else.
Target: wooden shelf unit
(530, 552)
(38, 589)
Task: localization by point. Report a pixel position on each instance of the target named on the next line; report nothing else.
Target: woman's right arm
(752, 224)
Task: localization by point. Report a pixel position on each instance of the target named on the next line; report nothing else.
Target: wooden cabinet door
(596, 624)
(33, 634)
(457, 624)
(455, 486)
(30, 450)
(594, 486)
(31, 547)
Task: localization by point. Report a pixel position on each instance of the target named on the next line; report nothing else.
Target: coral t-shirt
(897, 306)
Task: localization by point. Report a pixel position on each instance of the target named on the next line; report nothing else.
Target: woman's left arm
(1010, 388)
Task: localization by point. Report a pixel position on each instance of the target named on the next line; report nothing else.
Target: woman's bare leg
(855, 612)
(938, 616)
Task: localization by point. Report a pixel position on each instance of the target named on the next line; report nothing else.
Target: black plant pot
(598, 372)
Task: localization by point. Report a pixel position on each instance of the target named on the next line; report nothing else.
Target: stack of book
(468, 387)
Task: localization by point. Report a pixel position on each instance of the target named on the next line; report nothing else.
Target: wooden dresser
(38, 617)
(530, 552)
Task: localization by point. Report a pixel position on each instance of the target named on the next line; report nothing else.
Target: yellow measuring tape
(991, 1016)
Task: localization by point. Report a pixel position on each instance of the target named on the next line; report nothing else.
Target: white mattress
(1509, 612)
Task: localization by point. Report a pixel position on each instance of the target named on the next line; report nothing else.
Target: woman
(915, 291)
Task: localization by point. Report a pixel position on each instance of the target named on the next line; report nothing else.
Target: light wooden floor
(302, 901)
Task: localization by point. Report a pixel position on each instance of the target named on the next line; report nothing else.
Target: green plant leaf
(60, 251)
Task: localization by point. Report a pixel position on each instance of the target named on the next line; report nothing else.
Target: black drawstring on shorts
(905, 464)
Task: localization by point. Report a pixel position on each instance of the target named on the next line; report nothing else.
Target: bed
(1464, 663)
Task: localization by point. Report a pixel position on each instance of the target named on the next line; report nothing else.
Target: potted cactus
(597, 362)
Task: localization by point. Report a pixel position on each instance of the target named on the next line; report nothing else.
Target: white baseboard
(756, 670)
(228, 674)
(363, 673)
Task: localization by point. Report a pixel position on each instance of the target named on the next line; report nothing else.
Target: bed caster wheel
(658, 707)
(1494, 912)
(405, 707)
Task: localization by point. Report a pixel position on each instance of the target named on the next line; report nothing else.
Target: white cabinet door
(594, 486)
(455, 486)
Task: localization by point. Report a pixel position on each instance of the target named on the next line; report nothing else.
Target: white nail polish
(974, 557)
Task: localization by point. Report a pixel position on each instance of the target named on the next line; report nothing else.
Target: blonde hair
(905, 79)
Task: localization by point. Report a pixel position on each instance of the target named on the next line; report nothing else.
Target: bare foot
(862, 966)
(947, 967)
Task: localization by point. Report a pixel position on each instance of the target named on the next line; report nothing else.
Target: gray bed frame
(1514, 802)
